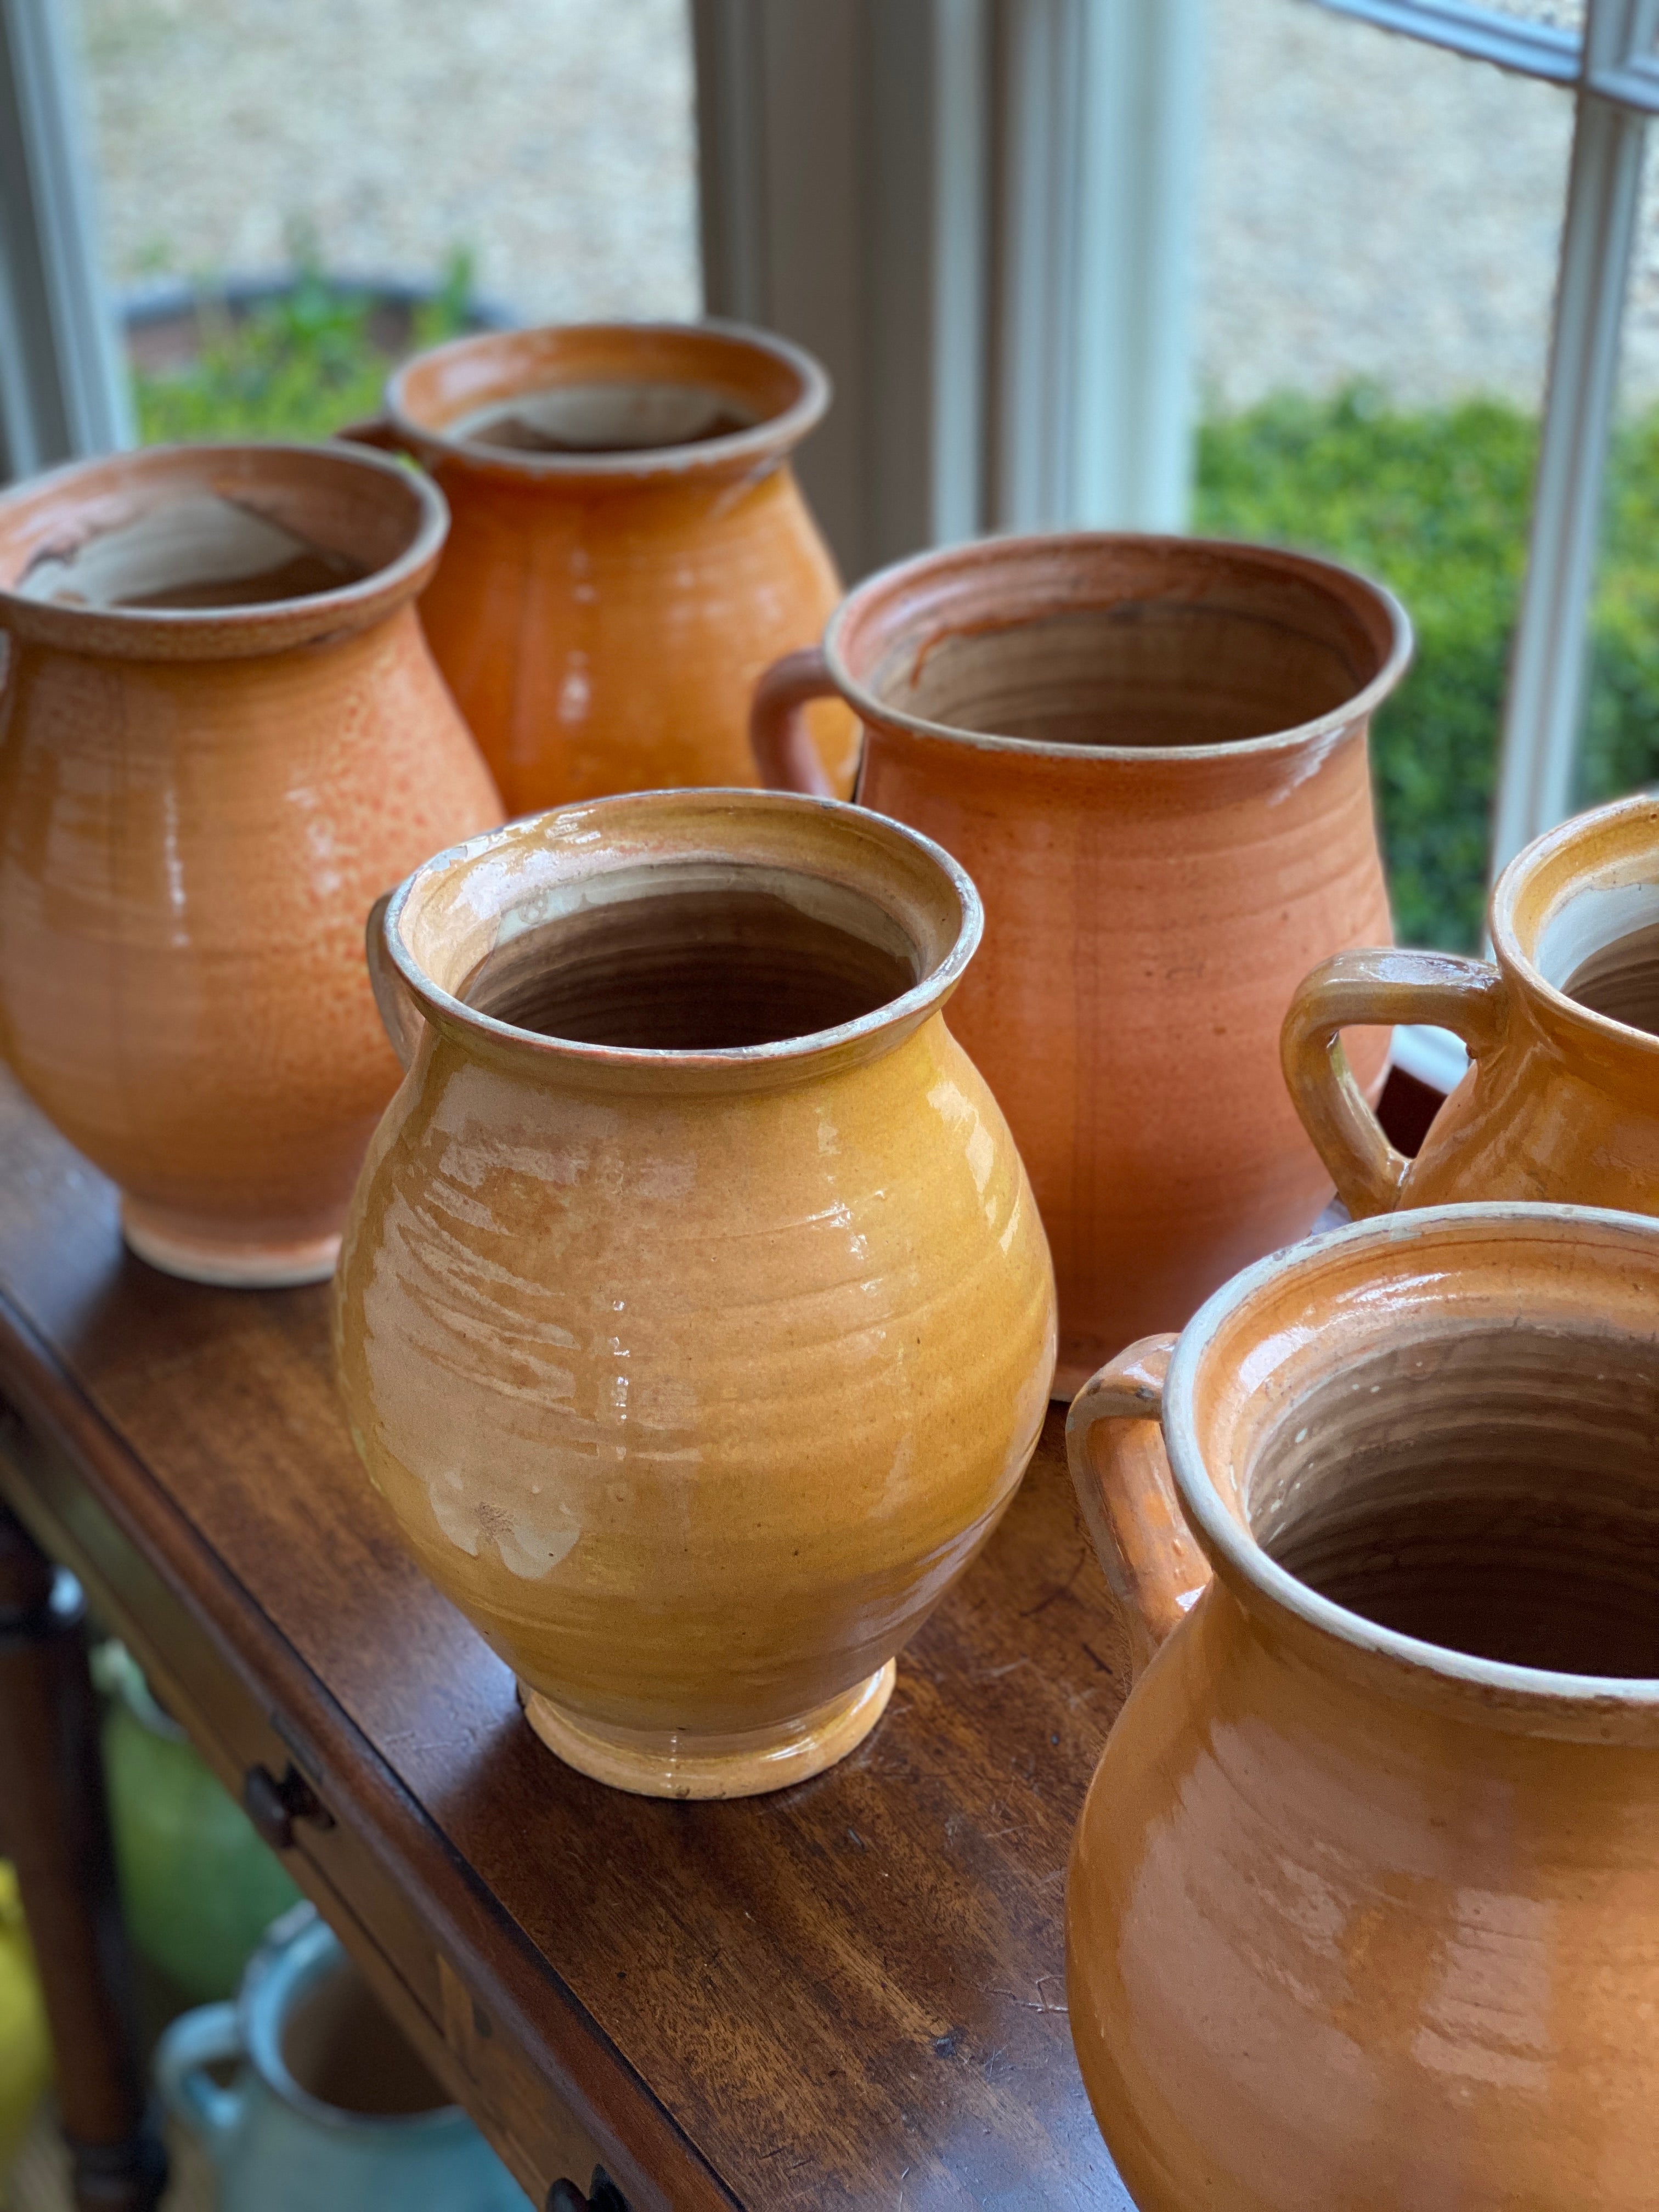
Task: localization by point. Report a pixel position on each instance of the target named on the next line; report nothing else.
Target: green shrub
(1435, 502)
(297, 366)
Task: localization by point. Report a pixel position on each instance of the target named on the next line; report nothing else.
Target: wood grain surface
(849, 1994)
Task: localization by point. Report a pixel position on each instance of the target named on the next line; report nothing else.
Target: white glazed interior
(620, 417)
(181, 541)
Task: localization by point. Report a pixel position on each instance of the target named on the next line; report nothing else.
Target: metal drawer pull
(274, 1807)
(602, 2195)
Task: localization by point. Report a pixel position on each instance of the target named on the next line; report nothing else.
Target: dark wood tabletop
(850, 1993)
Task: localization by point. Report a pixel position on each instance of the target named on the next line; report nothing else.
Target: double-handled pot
(329, 2109)
(222, 737)
(695, 1319)
(1561, 1100)
(1363, 1903)
(629, 547)
(1150, 756)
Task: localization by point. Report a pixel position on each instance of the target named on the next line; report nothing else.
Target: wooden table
(849, 1994)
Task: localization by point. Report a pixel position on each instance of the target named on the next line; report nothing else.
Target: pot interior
(593, 389)
(1132, 675)
(194, 529)
(1492, 1488)
(340, 2048)
(200, 550)
(697, 957)
(1601, 947)
(626, 416)
(1117, 641)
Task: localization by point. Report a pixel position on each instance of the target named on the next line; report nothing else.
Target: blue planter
(330, 2110)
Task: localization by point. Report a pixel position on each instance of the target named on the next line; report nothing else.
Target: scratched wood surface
(849, 1994)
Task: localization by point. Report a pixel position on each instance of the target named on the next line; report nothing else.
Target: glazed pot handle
(404, 1022)
(1127, 1495)
(778, 735)
(1368, 989)
(205, 2038)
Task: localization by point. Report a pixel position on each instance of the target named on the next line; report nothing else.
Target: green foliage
(1435, 502)
(297, 366)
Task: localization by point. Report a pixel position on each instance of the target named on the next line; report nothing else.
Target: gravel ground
(1371, 207)
(551, 137)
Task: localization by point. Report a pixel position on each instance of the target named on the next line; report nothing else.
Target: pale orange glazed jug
(629, 547)
(1150, 756)
(1364, 1904)
(694, 1317)
(1562, 1098)
(222, 738)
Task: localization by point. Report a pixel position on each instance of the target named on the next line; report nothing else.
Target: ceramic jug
(222, 738)
(629, 547)
(694, 1316)
(1561, 1100)
(1149, 754)
(1364, 1904)
(331, 2109)
(198, 1888)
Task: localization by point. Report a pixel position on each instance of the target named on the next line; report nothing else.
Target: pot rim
(1518, 877)
(802, 1054)
(282, 1972)
(982, 551)
(1544, 1691)
(257, 626)
(764, 441)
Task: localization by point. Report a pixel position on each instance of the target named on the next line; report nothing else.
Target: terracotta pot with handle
(695, 1318)
(1363, 1903)
(629, 547)
(1562, 1098)
(1151, 755)
(222, 737)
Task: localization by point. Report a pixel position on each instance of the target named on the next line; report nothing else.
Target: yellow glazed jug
(693, 1316)
(1562, 1100)
(1363, 1905)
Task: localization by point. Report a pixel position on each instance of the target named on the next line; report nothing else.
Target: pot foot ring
(252, 1266)
(664, 1763)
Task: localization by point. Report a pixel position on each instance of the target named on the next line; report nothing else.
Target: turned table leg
(54, 1826)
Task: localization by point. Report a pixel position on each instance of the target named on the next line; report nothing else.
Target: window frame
(1612, 76)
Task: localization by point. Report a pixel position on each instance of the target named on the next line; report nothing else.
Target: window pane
(535, 155)
(1619, 748)
(1563, 15)
(1380, 224)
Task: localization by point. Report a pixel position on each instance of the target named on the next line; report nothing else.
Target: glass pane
(1380, 224)
(514, 159)
(1561, 15)
(1619, 748)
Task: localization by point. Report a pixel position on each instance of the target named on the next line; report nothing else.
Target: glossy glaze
(602, 616)
(693, 1376)
(197, 808)
(1180, 811)
(1360, 1915)
(280, 2135)
(1561, 1100)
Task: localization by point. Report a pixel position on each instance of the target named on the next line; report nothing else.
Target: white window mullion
(63, 392)
(1545, 703)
